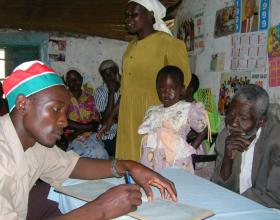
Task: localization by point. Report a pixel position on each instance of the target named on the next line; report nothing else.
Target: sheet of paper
(86, 191)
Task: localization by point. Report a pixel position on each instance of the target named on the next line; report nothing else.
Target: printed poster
(56, 50)
(251, 15)
(230, 83)
(186, 33)
(260, 79)
(199, 32)
(225, 21)
(274, 71)
(274, 55)
(191, 31)
(249, 51)
(217, 62)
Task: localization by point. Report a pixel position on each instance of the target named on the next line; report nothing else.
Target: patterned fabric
(165, 130)
(83, 110)
(29, 78)
(101, 100)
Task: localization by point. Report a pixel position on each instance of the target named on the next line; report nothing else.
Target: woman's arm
(108, 122)
(199, 137)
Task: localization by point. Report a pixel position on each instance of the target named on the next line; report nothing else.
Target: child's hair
(194, 83)
(173, 71)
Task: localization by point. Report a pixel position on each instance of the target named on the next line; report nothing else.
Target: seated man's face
(110, 74)
(241, 118)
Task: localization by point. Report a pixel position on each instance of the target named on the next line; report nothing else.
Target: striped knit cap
(29, 78)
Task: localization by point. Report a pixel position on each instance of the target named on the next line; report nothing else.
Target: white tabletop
(195, 191)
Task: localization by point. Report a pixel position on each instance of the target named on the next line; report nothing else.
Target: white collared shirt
(245, 178)
(20, 169)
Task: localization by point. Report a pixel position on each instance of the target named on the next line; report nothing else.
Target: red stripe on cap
(18, 76)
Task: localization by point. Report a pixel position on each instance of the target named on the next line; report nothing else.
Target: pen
(127, 177)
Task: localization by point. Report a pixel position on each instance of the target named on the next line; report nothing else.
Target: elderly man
(37, 101)
(106, 97)
(248, 149)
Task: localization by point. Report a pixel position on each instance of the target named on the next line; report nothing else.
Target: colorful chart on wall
(249, 51)
(274, 55)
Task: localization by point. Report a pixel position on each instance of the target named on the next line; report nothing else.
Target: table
(196, 191)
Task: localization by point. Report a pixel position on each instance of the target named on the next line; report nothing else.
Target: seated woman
(83, 120)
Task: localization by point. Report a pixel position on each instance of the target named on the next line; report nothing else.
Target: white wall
(85, 55)
(223, 44)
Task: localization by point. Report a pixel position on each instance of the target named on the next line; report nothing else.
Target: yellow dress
(141, 62)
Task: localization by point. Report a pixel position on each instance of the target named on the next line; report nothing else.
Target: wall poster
(191, 30)
(273, 47)
(252, 15)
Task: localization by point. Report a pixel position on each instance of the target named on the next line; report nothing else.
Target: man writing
(248, 149)
(37, 101)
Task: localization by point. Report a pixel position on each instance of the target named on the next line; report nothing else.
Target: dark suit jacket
(265, 170)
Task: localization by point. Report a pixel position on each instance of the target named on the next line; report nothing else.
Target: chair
(204, 164)
(203, 158)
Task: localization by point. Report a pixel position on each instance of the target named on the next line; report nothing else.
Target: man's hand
(119, 200)
(115, 202)
(237, 141)
(113, 86)
(105, 127)
(146, 178)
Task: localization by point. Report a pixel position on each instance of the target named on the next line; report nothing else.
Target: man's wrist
(114, 169)
(124, 165)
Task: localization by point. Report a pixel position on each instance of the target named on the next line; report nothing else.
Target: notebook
(158, 209)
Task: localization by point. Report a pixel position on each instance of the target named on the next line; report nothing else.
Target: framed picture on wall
(252, 15)
(190, 29)
(225, 22)
(57, 50)
(230, 83)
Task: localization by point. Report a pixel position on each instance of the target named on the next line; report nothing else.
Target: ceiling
(102, 18)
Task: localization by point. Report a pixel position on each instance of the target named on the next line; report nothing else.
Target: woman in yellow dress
(143, 58)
